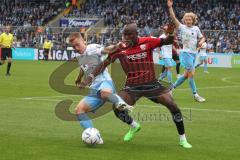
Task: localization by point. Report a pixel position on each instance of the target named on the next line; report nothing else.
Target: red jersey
(175, 44)
(137, 61)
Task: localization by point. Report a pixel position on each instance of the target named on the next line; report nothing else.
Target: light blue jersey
(189, 38)
(88, 62)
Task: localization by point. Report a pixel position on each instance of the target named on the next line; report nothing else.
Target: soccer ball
(91, 136)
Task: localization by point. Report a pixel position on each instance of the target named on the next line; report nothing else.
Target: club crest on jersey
(143, 47)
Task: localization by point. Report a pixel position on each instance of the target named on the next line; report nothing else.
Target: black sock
(8, 67)
(178, 68)
(46, 57)
(163, 69)
(123, 116)
(178, 120)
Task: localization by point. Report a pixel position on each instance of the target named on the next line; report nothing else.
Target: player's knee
(185, 74)
(81, 109)
(105, 93)
(190, 74)
(169, 68)
(9, 60)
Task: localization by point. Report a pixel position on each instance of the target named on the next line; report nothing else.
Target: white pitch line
(50, 97)
(180, 89)
(197, 109)
(153, 106)
(214, 87)
(225, 79)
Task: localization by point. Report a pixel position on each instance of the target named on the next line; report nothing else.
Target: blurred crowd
(219, 15)
(27, 16)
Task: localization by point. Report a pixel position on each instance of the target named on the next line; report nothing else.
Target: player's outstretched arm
(114, 48)
(170, 38)
(110, 49)
(172, 14)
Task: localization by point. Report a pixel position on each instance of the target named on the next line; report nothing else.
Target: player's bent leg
(194, 88)
(124, 116)
(201, 62)
(163, 75)
(86, 105)
(180, 80)
(9, 66)
(115, 99)
(205, 66)
(167, 100)
(81, 112)
(169, 74)
(178, 68)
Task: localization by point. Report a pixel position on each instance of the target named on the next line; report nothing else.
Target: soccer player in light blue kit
(191, 38)
(166, 56)
(203, 57)
(102, 88)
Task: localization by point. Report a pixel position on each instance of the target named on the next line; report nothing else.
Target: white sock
(182, 137)
(133, 124)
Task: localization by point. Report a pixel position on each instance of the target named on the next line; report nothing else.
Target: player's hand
(170, 28)
(200, 45)
(122, 45)
(169, 3)
(77, 81)
(86, 82)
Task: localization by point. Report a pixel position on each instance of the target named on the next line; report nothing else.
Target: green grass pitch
(30, 130)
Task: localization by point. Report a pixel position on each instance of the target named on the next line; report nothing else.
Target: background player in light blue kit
(191, 38)
(166, 55)
(203, 57)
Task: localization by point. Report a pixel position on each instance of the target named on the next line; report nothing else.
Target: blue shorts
(202, 58)
(188, 60)
(93, 99)
(168, 62)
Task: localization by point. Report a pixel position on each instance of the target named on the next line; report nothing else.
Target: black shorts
(130, 94)
(175, 57)
(6, 53)
(46, 51)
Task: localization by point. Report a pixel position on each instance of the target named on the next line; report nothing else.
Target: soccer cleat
(206, 72)
(124, 106)
(185, 144)
(129, 136)
(199, 98)
(8, 74)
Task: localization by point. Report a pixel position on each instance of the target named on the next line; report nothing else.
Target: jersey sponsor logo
(143, 47)
(137, 56)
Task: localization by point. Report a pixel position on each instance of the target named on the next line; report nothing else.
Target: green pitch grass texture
(30, 130)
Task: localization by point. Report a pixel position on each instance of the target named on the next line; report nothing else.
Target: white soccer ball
(91, 136)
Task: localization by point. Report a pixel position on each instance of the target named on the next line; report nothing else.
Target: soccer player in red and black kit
(136, 58)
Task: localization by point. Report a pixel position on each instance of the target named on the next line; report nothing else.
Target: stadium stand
(219, 20)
